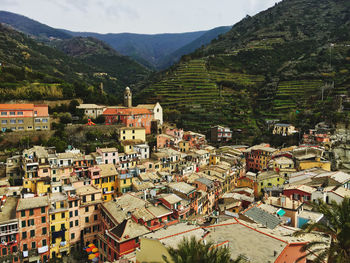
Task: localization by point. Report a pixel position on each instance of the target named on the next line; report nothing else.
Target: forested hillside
(289, 63)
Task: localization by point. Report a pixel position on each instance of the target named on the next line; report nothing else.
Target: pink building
(164, 141)
(109, 155)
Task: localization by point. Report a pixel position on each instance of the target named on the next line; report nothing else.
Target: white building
(142, 150)
(92, 110)
(156, 109)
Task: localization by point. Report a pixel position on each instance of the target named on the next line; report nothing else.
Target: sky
(136, 16)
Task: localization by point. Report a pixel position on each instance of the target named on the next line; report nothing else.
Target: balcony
(43, 249)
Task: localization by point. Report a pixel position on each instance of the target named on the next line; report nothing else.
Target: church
(142, 115)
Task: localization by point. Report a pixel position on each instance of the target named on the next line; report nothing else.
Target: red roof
(16, 106)
(127, 111)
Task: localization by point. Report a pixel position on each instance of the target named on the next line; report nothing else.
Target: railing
(9, 231)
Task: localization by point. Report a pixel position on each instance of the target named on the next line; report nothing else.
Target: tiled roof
(32, 202)
(16, 106)
(262, 217)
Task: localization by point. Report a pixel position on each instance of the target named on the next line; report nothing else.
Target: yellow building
(59, 225)
(107, 181)
(184, 146)
(132, 133)
(214, 159)
(316, 163)
(269, 179)
(283, 165)
(124, 183)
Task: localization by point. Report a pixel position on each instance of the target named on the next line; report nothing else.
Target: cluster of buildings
(126, 202)
(134, 203)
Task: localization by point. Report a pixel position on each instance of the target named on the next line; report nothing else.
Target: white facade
(158, 113)
(142, 150)
(92, 110)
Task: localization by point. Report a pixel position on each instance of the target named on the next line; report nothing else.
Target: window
(33, 245)
(43, 210)
(37, 120)
(3, 113)
(133, 131)
(87, 209)
(70, 213)
(25, 247)
(72, 236)
(71, 224)
(53, 217)
(84, 198)
(31, 212)
(52, 228)
(45, 120)
(23, 223)
(95, 217)
(43, 219)
(44, 230)
(63, 215)
(70, 205)
(76, 212)
(13, 121)
(44, 243)
(3, 121)
(24, 235)
(32, 233)
(87, 219)
(20, 113)
(20, 121)
(76, 222)
(96, 207)
(12, 113)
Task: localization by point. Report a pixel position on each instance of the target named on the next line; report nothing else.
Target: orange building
(24, 117)
(32, 213)
(130, 117)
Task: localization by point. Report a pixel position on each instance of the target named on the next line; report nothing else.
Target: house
(184, 146)
(165, 141)
(291, 208)
(143, 150)
(220, 134)
(269, 179)
(301, 193)
(9, 230)
(156, 109)
(120, 234)
(89, 216)
(283, 129)
(109, 155)
(108, 181)
(310, 157)
(258, 157)
(132, 133)
(59, 225)
(24, 117)
(283, 165)
(33, 215)
(331, 193)
(130, 117)
(91, 110)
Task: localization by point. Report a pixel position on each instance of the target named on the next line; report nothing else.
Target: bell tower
(127, 98)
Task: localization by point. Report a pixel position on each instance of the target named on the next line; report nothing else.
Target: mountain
(31, 27)
(146, 49)
(33, 70)
(289, 62)
(203, 40)
(101, 56)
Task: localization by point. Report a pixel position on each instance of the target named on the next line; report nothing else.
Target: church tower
(127, 98)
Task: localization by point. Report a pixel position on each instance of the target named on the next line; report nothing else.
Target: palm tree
(196, 251)
(337, 226)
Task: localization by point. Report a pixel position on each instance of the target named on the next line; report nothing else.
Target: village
(133, 204)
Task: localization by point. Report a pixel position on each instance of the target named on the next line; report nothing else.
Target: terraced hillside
(292, 58)
(203, 95)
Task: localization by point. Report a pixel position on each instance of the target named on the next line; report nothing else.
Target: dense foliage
(336, 225)
(291, 58)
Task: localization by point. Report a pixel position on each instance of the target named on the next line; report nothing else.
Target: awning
(25, 254)
(281, 212)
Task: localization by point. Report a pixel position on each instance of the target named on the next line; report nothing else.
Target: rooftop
(108, 150)
(107, 169)
(182, 187)
(171, 198)
(8, 211)
(87, 189)
(129, 229)
(32, 202)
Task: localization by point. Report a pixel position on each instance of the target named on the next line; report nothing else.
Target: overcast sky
(136, 16)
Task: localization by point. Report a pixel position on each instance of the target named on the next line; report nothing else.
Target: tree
(196, 251)
(337, 226)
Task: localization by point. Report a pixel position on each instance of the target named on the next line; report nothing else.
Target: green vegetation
(195, 251)
(337, 226)
(32, 70)
(292, 58)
